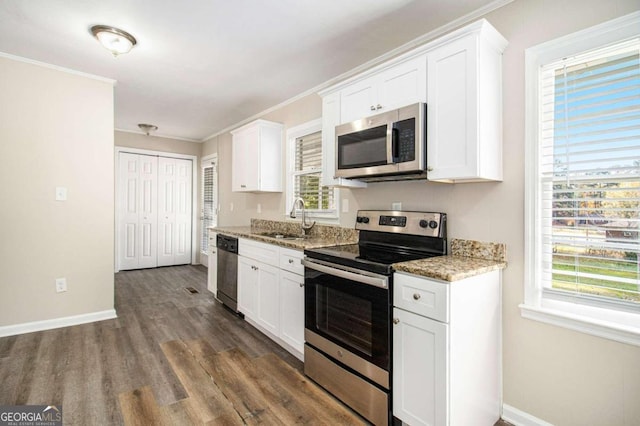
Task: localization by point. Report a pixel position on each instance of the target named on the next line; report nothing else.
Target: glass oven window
(346, 318)
(363, 149)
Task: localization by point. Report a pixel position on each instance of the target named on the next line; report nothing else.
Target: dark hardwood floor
(172, 357)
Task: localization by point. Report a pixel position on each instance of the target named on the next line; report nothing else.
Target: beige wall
(154, 143)
(560, 376)
(56, 129)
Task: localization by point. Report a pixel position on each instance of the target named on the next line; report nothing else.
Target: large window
(584, 183)
(304, 177)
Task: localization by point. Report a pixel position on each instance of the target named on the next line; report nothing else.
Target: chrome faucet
(305, 226)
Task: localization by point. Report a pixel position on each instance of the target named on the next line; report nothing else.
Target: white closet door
(174, 211)
(183, 216)
(138, 214)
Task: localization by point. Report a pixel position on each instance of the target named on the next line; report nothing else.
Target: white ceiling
(201, 66)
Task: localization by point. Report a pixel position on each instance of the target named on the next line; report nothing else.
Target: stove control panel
(429, 224)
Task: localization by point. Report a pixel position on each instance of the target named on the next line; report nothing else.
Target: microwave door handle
(392, 144)
(395, 145)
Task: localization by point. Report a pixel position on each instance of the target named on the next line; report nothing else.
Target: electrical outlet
(61, 285)
(61, 193)
(259, 208)
(396, 206)
(231, 207)
(345, 205)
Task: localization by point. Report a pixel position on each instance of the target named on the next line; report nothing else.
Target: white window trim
(592, 319)
(205, 162)
(292, 134)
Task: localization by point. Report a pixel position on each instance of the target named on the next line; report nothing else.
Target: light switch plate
(61, 285)
(396, 206)
(61, 193)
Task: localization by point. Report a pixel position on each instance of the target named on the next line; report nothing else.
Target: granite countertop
(323, 236)
(468, 258)
(449, 268)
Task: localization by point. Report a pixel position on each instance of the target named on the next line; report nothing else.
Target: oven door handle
(345, 272)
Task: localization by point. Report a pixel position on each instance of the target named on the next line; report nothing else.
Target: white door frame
(194, 197)
(204, 257)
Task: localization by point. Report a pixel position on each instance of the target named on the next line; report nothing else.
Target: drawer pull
(301, 285)
(396, 320)
(416, 296)
(290, 261)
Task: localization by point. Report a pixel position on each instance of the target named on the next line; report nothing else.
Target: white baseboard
(29, 327)
(520, 418)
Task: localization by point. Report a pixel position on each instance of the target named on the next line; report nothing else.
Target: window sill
(620, 330)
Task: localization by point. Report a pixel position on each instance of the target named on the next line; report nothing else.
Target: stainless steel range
(348, 305)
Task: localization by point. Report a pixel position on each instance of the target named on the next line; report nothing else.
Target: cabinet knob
(378, 106)
(340, 353)
(429, 168)
(301, 284)
(291, 261)
(416, 296)
(396, 320)
(373, 108)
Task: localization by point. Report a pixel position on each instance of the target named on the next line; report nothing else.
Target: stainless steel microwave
(387, 146)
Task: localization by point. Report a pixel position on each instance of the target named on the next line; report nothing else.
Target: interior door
(138, 213)
(174, 211)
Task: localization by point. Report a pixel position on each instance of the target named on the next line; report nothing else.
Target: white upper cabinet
(331, 118)
(464, 107)
(256, 157)
(400, 85)
(459, 76)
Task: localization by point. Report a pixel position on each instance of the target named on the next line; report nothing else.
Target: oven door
(347, 316)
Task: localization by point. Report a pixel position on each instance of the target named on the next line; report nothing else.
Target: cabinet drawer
(421, 296)
(291, 260)
(265, 253)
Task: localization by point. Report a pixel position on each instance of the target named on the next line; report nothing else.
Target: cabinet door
(358, 100)
(269, 297)
(403, 85)
(248, 288)
(292, 309)
(331, 118)
(452, 111)
(420, 369)
(245, 158)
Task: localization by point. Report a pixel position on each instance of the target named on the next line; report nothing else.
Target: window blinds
(209, 203)
(590, 174)
(307, 174)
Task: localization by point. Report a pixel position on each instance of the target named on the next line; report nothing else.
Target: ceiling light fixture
(147, 128)
(113, 39)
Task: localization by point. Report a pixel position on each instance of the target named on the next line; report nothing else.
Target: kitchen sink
(282, 236)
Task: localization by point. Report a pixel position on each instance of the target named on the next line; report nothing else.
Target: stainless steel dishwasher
(228, 271)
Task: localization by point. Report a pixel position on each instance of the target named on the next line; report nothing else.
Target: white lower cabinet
(248, 288)
(212, 264)
(269, 297)
(420, 367)
(271, 292)
(292, 314)
(446, 350)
